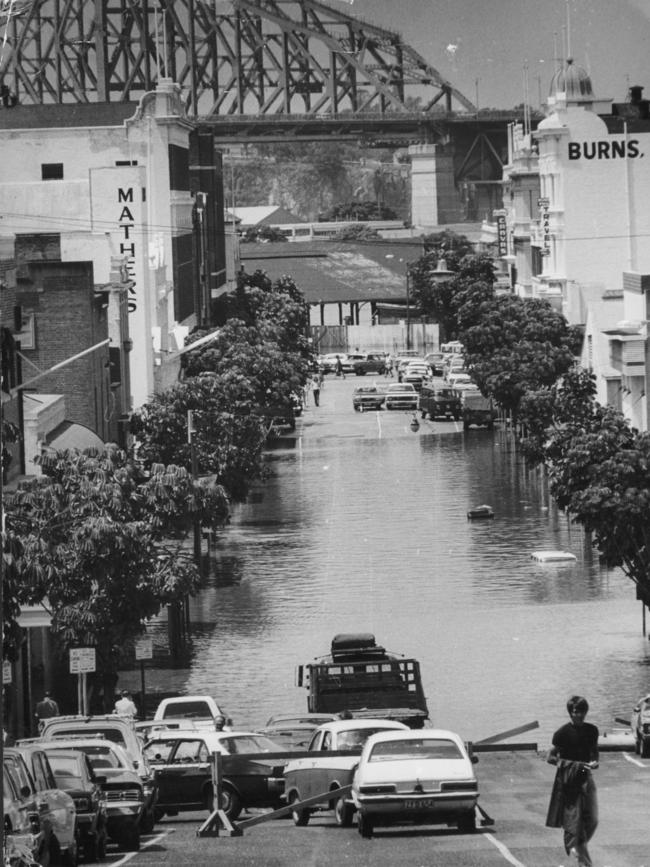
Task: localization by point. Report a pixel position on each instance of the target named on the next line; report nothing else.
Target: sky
(483, 46)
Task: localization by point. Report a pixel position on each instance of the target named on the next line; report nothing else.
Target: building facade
(586, 247)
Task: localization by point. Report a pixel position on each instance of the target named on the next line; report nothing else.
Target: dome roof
(572, 80)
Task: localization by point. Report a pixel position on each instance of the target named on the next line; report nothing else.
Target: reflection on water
(354, 534)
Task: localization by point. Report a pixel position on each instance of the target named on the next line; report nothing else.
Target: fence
(424, 337)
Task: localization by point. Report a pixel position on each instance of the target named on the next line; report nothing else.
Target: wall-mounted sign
(544, 203)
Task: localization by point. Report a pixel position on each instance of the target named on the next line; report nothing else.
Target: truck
(359, 677)
(436, 402)
(476, 409)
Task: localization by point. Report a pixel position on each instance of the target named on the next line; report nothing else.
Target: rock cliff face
(309, 184)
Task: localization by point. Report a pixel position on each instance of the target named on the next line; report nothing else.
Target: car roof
(346, 725)
(401, 386)
(79, 743)
(302, 717)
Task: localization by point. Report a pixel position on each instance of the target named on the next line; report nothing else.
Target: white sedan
(423, 776)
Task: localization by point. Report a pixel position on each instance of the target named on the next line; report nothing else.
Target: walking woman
(573, 804)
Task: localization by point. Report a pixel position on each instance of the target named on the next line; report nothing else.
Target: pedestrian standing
(339, 367)
(125, 706)
(574, 805)
(315, 389)
(388, 369)
(46, 708)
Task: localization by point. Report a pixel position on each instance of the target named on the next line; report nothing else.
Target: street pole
(408, 309)
(195, 472)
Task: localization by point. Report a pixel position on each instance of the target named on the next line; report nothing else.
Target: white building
(588, 239)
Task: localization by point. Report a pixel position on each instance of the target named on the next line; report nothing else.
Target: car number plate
(420, 804)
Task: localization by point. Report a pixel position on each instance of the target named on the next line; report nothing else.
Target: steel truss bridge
(250, 70)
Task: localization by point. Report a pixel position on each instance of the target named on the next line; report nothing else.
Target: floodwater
(362, 526)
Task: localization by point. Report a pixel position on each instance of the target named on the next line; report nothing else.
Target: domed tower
(572, 84)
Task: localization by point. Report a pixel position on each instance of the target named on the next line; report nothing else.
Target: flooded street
(362, 526)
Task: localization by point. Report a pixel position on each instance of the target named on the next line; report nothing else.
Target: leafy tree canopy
(100, 543)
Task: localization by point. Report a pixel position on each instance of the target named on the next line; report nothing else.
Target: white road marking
(507, 854)
(634, 761)
(378, 424)
(129, 855)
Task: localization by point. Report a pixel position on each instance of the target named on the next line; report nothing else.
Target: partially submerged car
(415, 777)
(367, 397)
(183, 764)
(322, 773)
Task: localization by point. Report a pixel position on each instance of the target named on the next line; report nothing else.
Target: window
(187, 751)
(51, 171)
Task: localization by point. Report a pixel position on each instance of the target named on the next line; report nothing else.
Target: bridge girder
(230, 57)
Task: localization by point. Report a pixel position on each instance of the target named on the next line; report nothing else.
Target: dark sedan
(74, 774)
(183, 766)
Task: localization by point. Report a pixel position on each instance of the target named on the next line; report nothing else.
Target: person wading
(573, 805)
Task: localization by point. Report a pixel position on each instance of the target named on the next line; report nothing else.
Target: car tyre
(365, 826)
(300, 816)
(148, 821)
(95, 845)
(467, 823)
(644, 749)
(158, 814)
(230, 802)
(131, 839)
(343, 813)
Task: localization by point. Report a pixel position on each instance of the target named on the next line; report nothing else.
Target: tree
(599, 470)
(471, 279)
(102, 544)
(517, 345)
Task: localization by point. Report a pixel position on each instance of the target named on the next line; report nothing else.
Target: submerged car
(418, 777)
(640, 722)
(367, 397)
(183, 765)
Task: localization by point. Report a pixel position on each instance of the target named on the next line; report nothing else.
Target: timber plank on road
(514, 790)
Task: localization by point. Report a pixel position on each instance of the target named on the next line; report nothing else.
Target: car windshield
(414, 748)
(250, 744)
(405, 386)
(370, 389)
(187, 709)
(355, 738)
(111, 734)
(67, 770)
(103, 756)
(20, 772)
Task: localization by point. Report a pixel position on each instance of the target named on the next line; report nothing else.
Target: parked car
(201, 710)
(74, 774)
(122, 788)
(461, 381)
(435, 361)
(327, 363)
(416, 373)
(373, 362)
(120, 730)
(422, 777)
(438, 402)
(60, 807)
(401, 395)
(368, 397)
(294, 731)
(640, 722)
(26, 829)
(350, 359)
(307, 777)
(183, 763)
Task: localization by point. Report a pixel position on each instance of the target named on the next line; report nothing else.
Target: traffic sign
(144, 648)
(82, 660)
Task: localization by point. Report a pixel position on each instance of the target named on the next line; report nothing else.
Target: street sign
(82, 660)
(144, 648)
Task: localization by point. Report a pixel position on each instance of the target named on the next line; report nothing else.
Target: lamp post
(408, 308)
